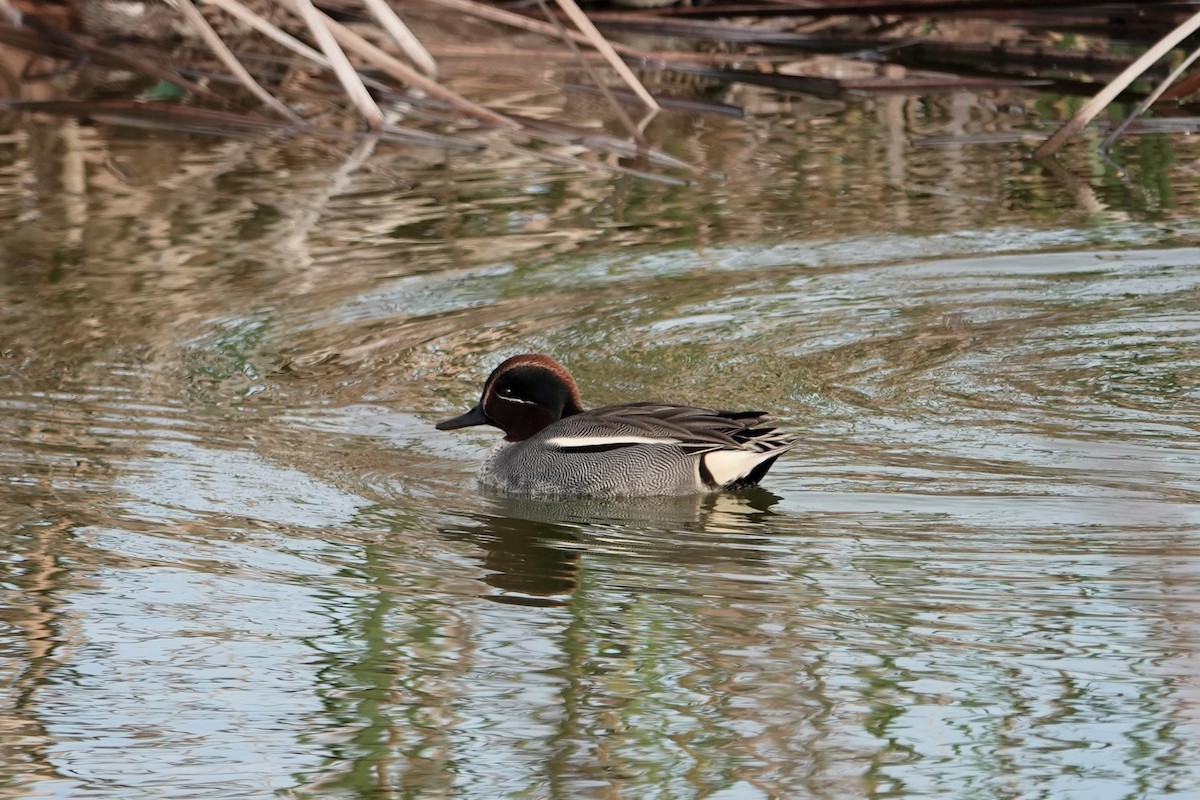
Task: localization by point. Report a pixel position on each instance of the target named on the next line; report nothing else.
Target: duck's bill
(473, 417)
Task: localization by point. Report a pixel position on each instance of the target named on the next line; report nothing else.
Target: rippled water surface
(238, 562)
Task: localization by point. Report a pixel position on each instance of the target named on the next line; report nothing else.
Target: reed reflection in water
(239, 562)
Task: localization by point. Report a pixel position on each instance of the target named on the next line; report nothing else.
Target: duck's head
(521, 397)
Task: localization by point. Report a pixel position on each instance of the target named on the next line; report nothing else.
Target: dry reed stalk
(318, 25)
(576, 15)
(238, 11)
(401, 71)
(407, 41)
(622, 117)
(1149, 100)
(1091, 108)
(210, 37)
(525, 23)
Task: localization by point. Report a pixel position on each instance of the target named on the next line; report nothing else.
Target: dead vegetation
(336, 67)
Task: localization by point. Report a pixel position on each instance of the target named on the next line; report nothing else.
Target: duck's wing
(725, 449)
(733, 448)
(655, 423)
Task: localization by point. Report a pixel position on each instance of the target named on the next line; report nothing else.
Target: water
(238, 562)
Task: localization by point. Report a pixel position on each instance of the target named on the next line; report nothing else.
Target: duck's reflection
(529, 562)
(532, 546)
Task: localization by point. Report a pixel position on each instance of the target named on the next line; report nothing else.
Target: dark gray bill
(473, 417)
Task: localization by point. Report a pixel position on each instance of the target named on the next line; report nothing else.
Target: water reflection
(533, 547)
(39, 638)
(528, 561)
(236, 560)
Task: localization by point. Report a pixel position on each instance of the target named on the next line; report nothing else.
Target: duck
(553, 446)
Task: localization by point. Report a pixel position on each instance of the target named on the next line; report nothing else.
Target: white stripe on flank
(726, 466)
(603, 441)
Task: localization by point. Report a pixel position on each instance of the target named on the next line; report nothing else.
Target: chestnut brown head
(521, 397)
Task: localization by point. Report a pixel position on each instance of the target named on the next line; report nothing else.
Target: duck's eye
(506, 391)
